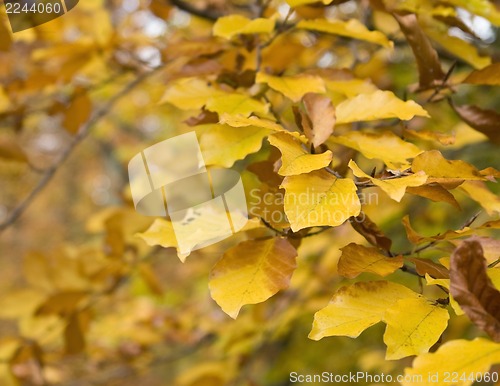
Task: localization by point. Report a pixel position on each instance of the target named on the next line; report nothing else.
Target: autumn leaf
(236, 104)
(427, 266)
(484, 121)
(469, 357)
(429, 67)
(294, 158)
(375, 106)
(376, 146)
(356, 259)
(352, 28)
(439, 168)
(189, 93)
(479, 192)
(434, 192)
(472, 288)
(251, 273)
(230, 26)
(296, 3)
(371, 232)
(319, 120)
(395, 188)
(319, 198)
(487, 76)
(293, 87)
(222, 145)
(161, 233)
(413, 326)
(78, 112)
(354, 308)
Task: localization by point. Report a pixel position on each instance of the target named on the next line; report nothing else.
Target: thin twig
(49, 173)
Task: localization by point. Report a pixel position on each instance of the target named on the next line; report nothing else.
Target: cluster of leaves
(310, 102)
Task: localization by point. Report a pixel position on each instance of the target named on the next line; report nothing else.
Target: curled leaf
(472, 288)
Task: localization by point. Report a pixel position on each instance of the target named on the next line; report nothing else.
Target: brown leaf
(74, 332)
(429, 67)
(484, 121)
(321, 118)
(427, 266)
(472, 288)
(202, 118)
(435, 193)
(371, 232)
(11, 151)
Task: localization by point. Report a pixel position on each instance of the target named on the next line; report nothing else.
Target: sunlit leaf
(377, 105)
(352, 28)
(229, 26)
(319, 198)
(354, 308)
(251, 273)
(293, 87)
(356, 259)
(295, 159)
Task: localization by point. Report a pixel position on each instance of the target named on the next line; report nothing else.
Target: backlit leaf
(479, 192)
(293, 87)
(294, 158)
(236, 104)
(487, 76)
(319, 198)
(469, 357)
(354, 308)
(377, 105)
(484, 121)
(229, 26)
(413, 326)
(395, 188)
(223, 145)
(352, 28)
(356, 259)
(189, 93)
(251, 273)
(385, 146)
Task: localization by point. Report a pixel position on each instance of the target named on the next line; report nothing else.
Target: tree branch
(49, 173)
(207, 14)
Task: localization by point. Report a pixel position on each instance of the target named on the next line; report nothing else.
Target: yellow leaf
(161, 233)
(293, 87)
(352, 28)
(241, 121)
(78, 112)
(479, 192)
(456, 356)
(351, 88)
(456, 46)
(482, 8)
(356, 259)
(251, 273)
(354, 308)
(377, 105)
(385, 146)
(395, 188)
(190, 93)
(439, 168)
(223, 145)
(487, 76)
(229, 26)
(319, 198)
(294, 158)
(413, 326)
(236, 104)
(297, 3)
